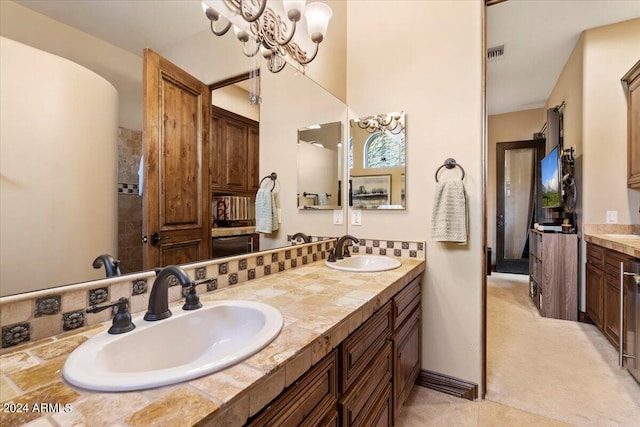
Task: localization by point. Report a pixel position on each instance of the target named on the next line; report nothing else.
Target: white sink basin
(622, 236)
(365, 263)
(187, 345)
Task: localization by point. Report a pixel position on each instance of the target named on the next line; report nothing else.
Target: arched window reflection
(384, 150)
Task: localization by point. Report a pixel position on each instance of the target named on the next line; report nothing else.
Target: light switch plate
(337, 217)
(612, 217)
(356, 217)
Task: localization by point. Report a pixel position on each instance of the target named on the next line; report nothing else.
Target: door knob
(155, 238)
(500, 221)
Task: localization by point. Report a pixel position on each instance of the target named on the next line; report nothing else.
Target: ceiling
(538, 35)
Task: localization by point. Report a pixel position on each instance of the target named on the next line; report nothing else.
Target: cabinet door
(216, 150)
(253, 159)
(611, 319)
(632, 79)
(594, 294)
(406, 358)
(234, 141)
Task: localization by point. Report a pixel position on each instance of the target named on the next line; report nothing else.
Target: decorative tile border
(128, 189)
(65, 306)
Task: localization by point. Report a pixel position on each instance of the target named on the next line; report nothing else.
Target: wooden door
(176, 165)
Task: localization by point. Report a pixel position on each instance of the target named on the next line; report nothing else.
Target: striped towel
(449, 218)
(323, 199)
(265, 211)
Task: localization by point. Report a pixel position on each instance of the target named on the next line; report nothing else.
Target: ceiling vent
(495, 53)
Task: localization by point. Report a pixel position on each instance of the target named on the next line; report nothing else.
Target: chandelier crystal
(269, 32)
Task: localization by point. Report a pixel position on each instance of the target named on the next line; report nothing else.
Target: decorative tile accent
(281, 266)
(139, 287)
(315, 257)
(173, 281)
(356, 249)
(98, 295)
(287, 254)
(363, 242)
(369, 250)
(260, 260)
(383, 251)
(274, 257)
(126, 188)
(376, 243)
(223, 268)
(15, 334)
(267, 270)
(252, 273)
(294, 263)
(305, 260)
(47, 306)
(73, 320)
(242, 264)
(201, 273)
(319, 247)
(233, 278)
(309, 250)
(413, 254)
(421, 246)
(397, 252)
(212, 285)
(390, 244)
(405, 245)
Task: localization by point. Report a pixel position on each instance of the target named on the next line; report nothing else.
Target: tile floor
(541, 372)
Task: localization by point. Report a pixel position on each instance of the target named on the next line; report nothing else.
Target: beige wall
(517, 126)
(58, 157)
(443, 102)
(235, 99)
(121, 68)
(609, 52)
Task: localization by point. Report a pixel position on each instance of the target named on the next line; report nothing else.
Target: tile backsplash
(41, 314)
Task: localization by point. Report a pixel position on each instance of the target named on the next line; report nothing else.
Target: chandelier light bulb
(294, 9)
(318, 16)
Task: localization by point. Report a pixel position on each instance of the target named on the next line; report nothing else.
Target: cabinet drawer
(309, 401)
(360, 347)
(382, 415)
(405, 301)
(612, 262)
(357, 406)
(595, 255)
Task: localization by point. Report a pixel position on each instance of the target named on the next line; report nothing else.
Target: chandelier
(390, 122)
(269, 32)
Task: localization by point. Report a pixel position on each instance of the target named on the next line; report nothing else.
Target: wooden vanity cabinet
(631, 82)
(603, 290)
(363, 382)
(310, 401)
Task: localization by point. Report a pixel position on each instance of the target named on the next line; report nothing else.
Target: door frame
(520, 266)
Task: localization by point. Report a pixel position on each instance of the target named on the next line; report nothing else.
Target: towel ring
(450, 164)
(273, 177)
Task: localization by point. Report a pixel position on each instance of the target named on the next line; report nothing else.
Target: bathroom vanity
(348, 354)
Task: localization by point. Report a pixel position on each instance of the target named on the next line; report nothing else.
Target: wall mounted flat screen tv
(550, 171)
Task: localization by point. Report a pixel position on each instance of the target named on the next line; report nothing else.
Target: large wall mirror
(210, 59)
(377, 162)
(320, 157)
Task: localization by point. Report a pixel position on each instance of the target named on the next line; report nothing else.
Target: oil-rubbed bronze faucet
(111, 266)
(304, 237)
(159, 297)
(341, 250)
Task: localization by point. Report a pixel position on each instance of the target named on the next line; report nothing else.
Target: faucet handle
(332, 256)
(121, 321)
(346, 253)
(192, 300)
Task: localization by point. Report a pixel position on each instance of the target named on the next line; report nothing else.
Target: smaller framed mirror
(320, 166)
(377, 162)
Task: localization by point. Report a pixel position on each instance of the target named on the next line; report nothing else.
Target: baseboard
(583, 318)
(446, 384)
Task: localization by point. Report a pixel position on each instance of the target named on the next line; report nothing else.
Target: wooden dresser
(553, 274)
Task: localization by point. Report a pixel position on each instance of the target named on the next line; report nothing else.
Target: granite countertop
(320, 307)
(626, 246)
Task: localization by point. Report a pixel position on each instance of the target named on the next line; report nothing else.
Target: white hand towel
(275, 222)
(323, 199)
(265, 211)
(449, 219)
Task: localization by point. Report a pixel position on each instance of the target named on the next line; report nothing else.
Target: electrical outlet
(337, 217)
(356, 217)
(612, 217)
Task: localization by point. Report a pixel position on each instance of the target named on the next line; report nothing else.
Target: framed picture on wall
(371, 191)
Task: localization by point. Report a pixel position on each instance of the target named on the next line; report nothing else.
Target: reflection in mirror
(377, 162)
(223, 59)
(320, 166)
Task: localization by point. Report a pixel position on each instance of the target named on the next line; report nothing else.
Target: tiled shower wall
(37, 315)
(129, 201)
